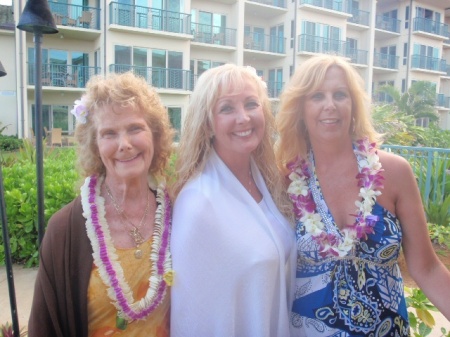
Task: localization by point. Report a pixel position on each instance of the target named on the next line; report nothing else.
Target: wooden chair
(71, 22)
(85, 19)
(72, 80)
(56, 137)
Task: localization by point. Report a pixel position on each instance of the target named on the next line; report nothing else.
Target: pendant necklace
(135, 234)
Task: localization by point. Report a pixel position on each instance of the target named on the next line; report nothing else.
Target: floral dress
(360, 294)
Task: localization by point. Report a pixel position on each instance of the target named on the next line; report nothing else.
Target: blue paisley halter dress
(360, 294)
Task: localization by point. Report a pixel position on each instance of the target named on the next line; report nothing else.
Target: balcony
(431, 27)
(265, 43)
(428, 63)
(359, 17)
(160, 78)
(326, 4)
(385, 61)
(7, 18)
(387, 24)
(274, 89)
(317, 44)
(356, 56)
(275, 3)
(214, 35)
(149, 18)
(62, 75)
(75, 16)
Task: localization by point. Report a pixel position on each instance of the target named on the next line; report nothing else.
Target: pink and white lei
(370, 182)
(105, 257)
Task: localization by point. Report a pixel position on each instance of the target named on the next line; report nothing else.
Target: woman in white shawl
(233, 250)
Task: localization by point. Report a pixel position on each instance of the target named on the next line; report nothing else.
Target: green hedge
(20, 184)
(9, 143)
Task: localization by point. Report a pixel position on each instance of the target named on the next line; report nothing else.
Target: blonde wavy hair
(308, 77)
(196, 140)
(122, 90)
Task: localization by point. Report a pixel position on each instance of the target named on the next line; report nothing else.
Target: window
(423, 122)
(277, 39)
(62, 68)
(320, 38)
(406, 17)
(275, 82)
(175, 120)
(54, 116)
(383, 97)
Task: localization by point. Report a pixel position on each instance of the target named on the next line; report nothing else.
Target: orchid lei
(105, 257)
(369, 181)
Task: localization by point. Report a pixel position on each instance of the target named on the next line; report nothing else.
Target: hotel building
(171, 42)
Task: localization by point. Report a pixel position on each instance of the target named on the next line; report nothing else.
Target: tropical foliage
(419, 101)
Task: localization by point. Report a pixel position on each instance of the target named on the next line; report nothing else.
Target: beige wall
(8, 93)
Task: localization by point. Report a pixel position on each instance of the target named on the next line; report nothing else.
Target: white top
(231, 278)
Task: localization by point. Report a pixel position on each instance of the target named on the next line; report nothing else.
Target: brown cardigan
(60, 295)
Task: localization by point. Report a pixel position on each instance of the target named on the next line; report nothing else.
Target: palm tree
(419, 101)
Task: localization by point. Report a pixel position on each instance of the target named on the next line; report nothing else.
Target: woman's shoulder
(393, 163)
(66, 217)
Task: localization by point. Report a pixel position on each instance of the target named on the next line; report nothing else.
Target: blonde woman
(233, 250)
(356, 207)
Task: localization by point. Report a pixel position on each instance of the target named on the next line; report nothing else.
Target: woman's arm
(424, 266)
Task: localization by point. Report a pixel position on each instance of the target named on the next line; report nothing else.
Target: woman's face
(328, 110)
(238, 122)
(125, 142)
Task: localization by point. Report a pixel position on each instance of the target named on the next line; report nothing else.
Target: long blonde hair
(196, 139)
(307, 78)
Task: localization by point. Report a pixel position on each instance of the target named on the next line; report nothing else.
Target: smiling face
(125, 143)
(238, 123)
(328, 110)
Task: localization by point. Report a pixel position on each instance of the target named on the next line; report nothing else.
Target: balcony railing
(317, 44)
(430, 26)
(428, 63)
(161, 78)
(75, 15)
(328, 4)
(385, 61)
(275, 3)
(357, 56)
(6, 17)
(387, 23)
(266, 43)
(62, 75)
(274, 89)
(443, 101)
(213, 34)
(359, 17)
(149, 18)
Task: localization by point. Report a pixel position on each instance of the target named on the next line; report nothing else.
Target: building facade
(171, 42)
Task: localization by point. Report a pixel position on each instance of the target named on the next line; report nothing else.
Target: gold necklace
(135, 234)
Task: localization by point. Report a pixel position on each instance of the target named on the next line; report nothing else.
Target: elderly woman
(233, 250)
(105, 265)
(356, 207)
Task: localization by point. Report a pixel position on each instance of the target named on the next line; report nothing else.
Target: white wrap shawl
(231, 274)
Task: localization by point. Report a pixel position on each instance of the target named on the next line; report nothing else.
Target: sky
(6, 2)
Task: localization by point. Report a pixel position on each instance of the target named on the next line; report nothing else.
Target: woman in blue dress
(356, 207)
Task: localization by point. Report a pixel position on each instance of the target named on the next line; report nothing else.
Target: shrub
(10, 143)
(21, 200)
